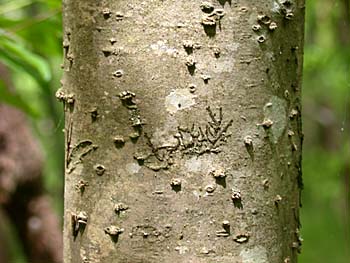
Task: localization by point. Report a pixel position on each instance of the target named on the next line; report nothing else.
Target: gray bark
(183, 130)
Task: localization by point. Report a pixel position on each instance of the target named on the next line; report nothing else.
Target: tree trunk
(183, 130)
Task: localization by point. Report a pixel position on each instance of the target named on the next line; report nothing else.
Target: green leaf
(19, 58)
(14, 5)
(6, 22)
(16, 101)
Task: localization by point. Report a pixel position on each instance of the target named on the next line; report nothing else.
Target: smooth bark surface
(183, 130)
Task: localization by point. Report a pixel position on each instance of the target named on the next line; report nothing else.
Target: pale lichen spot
(275, 110)
(275, 7)
(256, 254)
(201, 164)
(133, 168)
(179, 100)
(225, 65)
(232, 47)
(193, 165)
(161, 48)
(197, 194)
(181, 249)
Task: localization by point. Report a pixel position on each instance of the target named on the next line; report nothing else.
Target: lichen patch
(199, 164)
(275, 110)
(161, 48)
(133, 168)
(256, 254)
(179, 100)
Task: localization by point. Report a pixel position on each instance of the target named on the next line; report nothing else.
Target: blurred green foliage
(30, 45)
(326, 112)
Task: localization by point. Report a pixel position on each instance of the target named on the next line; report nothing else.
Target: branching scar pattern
(194, 140)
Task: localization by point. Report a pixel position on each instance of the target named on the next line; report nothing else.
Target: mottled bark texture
(183, 131)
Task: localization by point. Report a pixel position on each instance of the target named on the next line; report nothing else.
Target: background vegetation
(30, 45)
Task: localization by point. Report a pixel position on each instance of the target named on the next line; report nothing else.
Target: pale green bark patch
(182, 249)
(199, 164)
(161, 48)
(275, 110)
(178, 100)
(256, 254)
(133, 168)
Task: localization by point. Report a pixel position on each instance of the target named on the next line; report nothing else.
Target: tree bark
(183, 130)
